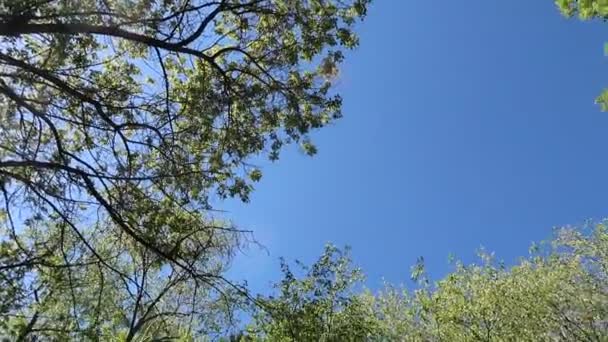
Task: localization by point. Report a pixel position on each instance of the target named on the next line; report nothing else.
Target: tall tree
(322, 305)
(120, 123)
(558, 293)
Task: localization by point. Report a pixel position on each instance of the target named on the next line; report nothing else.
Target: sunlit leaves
(558, 293)
(585, 9)
(123, 122)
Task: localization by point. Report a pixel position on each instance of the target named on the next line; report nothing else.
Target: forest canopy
(124, 124)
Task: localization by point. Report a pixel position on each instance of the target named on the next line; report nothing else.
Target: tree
(558, 293)
(320, 306)
(121, 123)
(69, 294)
(585, 9)
(540, 299)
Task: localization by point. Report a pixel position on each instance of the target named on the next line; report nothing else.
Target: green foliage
(320, 306)
(585, 9)
(559, 293)
(122, 123)
(132, 293)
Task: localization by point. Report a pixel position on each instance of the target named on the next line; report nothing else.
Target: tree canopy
(121, 122)
(124, 122)
(558, 293)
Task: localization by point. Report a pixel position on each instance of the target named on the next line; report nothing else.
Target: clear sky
(466, 124)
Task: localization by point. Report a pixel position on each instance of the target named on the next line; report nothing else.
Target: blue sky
(466, 124)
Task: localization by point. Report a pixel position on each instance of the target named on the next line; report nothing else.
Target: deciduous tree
(121, 121)
(558, 293)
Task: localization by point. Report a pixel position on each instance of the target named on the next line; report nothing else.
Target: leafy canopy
(558, 293)
(121, 123)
